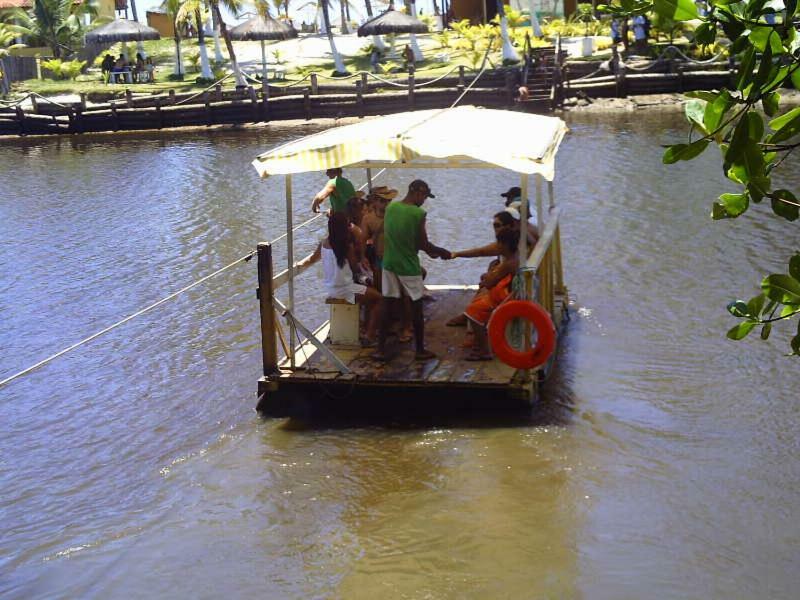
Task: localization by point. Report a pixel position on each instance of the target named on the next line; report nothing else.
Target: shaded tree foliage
(753, 132)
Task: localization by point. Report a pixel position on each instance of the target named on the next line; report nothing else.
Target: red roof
(15, 4)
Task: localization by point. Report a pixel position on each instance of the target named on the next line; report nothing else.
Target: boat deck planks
(314, 374)
(447, 342)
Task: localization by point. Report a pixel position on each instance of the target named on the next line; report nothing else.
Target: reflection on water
(663, 458)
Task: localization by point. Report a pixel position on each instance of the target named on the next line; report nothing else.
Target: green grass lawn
(163, 54)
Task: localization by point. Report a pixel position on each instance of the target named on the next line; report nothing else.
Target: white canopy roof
(465, 136)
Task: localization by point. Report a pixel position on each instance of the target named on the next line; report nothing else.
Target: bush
(193, 58)
(60, 69)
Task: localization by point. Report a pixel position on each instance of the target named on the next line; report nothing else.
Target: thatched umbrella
(121, 30)
(263, 28)
(392, 21)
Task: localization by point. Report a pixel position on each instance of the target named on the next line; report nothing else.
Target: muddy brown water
(662, 462)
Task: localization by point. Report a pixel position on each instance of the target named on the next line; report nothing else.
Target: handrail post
(411, 91)
(269, 347)
(290, 264)
(314, 84)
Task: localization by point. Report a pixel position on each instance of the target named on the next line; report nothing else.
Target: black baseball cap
(420, 186)
(512, 193)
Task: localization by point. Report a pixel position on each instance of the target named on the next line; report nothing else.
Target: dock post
(509, 89)
(159, 114)
(207, 102)
(83, 101)
(34, 105)
(128, 98)
(460, 78)
(218, 92)
(363, 82)
(172, 97)
(253, 102)
(314, 84)
(307, 105)
(269, 347)
(411, 91)
(360, 98)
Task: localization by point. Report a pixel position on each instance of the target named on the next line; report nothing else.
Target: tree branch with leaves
(747, 123)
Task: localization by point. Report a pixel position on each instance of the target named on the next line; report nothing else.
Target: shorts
(393, 285)
(349, 293)
(483, 305)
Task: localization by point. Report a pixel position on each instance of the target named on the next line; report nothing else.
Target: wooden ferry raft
(329, 370)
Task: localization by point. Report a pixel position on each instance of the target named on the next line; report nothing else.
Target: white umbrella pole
(378, 42)
(537, 30)
(263, 63)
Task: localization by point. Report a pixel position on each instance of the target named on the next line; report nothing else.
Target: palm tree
(196, 10)
(343, 17)
(215, 32)
(172, 8)
(412, 8)
(55, 23)
(234, 6)
(509, 54)
(337, 58)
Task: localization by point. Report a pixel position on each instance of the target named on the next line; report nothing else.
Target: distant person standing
(640, 24)
(338, 189)
(404, 236)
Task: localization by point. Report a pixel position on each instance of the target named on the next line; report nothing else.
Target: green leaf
(784, 204)
(734, 204)
(758, 187)
(794, 266)
(781, 288)
(746, 68)
(764, 71)
(683, 151)
(694, 111)
(702, 95)
(765, 37)
(755, 304)
(715, 110)
(740, 331)
(790, 309)
(738, 308)
(768, 308)
(718, 211)
(785, 126)
(755, 126)
(771, 103)
(765, 330)
(705, 34)
(796, 79)
(677, 10)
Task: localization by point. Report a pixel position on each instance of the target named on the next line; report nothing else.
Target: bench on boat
(344, 322)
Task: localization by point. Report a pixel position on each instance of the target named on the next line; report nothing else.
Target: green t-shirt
(401, 227)
(343, 190)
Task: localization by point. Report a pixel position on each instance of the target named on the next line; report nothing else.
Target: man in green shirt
(404, 236)
(338, 189)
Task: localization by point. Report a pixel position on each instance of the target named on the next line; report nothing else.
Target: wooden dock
(445, 382)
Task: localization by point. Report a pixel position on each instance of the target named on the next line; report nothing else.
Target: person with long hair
(338, 256)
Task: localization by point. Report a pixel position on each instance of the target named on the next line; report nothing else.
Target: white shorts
(394, 285)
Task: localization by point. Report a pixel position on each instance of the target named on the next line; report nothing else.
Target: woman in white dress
(338, 254)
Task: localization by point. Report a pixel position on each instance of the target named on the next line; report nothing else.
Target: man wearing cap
(338, 189)
(404, 236)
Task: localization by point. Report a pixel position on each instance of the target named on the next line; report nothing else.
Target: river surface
(663, 461)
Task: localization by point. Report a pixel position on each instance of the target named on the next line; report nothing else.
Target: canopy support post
(290, 266)
(539, 210)
(263, 64)
(523, 231)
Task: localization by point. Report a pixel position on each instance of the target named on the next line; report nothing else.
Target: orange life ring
(530, 311)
